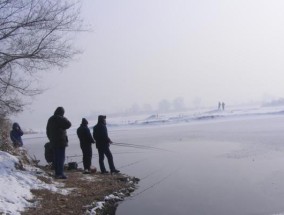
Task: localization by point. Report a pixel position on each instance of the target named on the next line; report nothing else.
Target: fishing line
(138, 146)
(135, 145)
(117, 153)
(128, 146)
(150, 174)
(154, 171)
(133, 163)
(155, 184)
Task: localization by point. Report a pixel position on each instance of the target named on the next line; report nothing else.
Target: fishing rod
(118, 153)
(138, 146)
(128, 146)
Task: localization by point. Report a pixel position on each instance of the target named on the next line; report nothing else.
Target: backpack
(48, 152)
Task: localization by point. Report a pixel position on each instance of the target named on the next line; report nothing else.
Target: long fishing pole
(118, 153)
(138, 146)
(129, 146)
(134, 145)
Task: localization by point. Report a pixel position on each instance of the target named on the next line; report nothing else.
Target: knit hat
(101, 118)
(84, 121)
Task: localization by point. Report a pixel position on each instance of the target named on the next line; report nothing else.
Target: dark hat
(59, 111)
(101, 118)
(15, 125)
(84, 121)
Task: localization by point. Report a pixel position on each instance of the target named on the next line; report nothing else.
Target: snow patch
(16, 185)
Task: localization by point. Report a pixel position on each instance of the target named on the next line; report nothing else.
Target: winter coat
(100, 135)
(84, 136)
(56, 129)
(16, 135)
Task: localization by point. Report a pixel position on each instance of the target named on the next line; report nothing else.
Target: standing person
(16, 135)
(57, 135)
(223, 105)
(86, 141)
(100, 135)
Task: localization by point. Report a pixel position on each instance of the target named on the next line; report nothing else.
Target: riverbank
(87, 193)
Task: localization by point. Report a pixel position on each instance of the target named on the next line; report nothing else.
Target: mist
(141, 53)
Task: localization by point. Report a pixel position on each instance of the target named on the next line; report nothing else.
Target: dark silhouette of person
(16, 135)
(223, 105)
(57, 135)
(219, 106)
(103, 142)
(86, 141)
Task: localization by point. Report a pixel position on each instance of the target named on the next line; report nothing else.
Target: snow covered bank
(192, 116)
(16, 184)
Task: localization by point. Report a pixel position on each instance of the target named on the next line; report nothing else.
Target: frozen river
(214, 167)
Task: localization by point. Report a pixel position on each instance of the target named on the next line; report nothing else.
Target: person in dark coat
(57, 135)
(100, 135)
(86, 141)
(16, 135)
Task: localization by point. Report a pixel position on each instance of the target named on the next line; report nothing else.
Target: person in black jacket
(86, 141)
(57, 135)
(100, 135)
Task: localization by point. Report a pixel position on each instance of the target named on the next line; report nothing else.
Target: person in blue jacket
(86, 140)
(100, 135)
(16, 135)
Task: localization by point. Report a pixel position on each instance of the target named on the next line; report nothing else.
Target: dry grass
(87, 189)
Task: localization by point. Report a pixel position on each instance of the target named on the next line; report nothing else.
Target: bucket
(72, 165)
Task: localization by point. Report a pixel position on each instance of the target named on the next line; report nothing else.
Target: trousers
(87, 156)
(59, 159)
(105, 151)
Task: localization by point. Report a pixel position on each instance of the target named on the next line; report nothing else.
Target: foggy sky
(141, 52)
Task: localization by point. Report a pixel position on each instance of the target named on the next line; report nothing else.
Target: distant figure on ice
(16, 135)
(223, 105)
(219, 106)
(100, 135)
(57, 135)
(86, 141)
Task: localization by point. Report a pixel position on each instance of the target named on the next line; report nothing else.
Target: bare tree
(35, 35)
